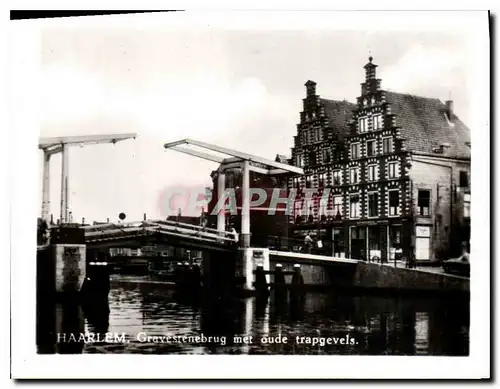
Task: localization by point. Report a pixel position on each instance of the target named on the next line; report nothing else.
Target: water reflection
(367, 325)
(60, 326)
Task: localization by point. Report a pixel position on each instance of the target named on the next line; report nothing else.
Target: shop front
(338, 242)
(368, 240)
(380, 240)
(423, 243)
(320, 237)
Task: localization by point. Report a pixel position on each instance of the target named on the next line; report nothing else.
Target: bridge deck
(187, 233)
(324, 258)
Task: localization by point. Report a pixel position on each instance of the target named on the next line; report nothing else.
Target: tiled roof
(339, 114)
(425, 126)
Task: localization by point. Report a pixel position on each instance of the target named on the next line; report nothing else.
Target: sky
(237, 88)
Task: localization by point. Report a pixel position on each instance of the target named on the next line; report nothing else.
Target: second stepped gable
(377, 168)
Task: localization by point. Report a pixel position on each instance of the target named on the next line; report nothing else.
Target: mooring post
(279, 286)
(261, 286)
(297, 278)
(279, 277)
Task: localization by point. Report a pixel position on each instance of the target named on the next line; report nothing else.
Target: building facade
(396, 170)
(265, 229)
(320, 150)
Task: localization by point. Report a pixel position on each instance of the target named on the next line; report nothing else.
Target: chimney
(310, 88)
(449, 109)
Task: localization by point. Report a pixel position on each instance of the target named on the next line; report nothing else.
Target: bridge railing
(111, 226)
(191, 226)
(184, 229)
(115, 231)
(281, 243)
(297, 245)
(112, 230)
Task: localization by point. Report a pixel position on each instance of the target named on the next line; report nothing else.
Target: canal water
(151, 318)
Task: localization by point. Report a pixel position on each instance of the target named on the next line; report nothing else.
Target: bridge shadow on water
(379, 325)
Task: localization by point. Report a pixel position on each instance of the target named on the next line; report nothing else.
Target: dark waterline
(365, 324)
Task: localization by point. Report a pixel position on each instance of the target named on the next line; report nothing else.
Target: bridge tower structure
(230, 159)
(54, 145)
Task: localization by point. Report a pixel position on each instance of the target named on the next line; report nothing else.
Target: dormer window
(442, 148)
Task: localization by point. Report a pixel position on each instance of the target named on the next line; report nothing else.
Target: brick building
(264, 229)
(397, 169)
(319, 149)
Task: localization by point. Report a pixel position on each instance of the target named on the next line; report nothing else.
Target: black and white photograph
(209, 186)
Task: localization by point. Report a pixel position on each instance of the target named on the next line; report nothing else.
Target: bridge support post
(245, 206)
(46, 186)
(221, 214)
(251, 258)
(64, 183)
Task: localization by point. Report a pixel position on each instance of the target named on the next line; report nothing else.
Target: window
(319, 134)
(312, 135)
(308, 209)
(363, 124)
(326, 156)
(304, 137)
(354, 210)
(337, 178)
(353, 174)
(393, 169)
(377, 122)
(321, 180)
(466, 205)
(355, 150)
(463, 179)
(308, 181)
(372, 204)
(297, 210)
(371, 148)
(387, 145)
(372, 172)
(393, 202)
(423, 202)
(337, 206)
(322, 212)
(312, 158)
(299, 160)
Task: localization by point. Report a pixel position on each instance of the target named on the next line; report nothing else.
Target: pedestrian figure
(308, 242)
(398, 253)
(235, 235)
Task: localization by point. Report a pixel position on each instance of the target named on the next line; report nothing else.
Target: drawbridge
(158, 231)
